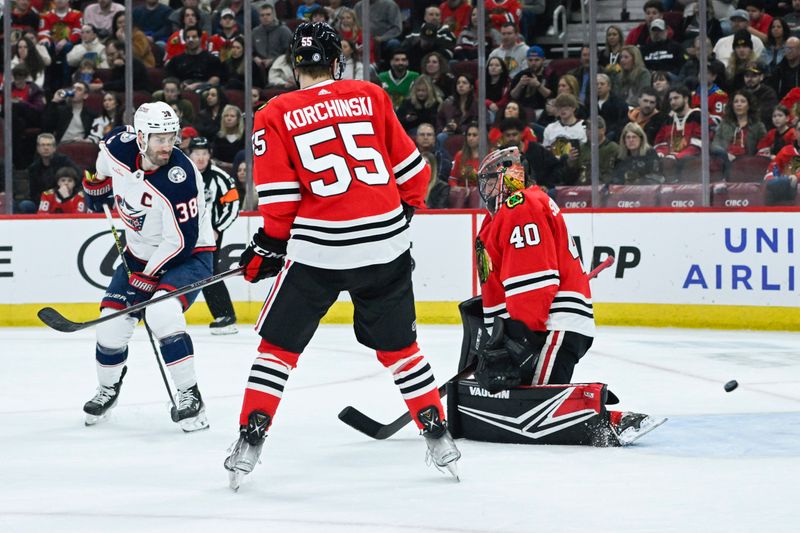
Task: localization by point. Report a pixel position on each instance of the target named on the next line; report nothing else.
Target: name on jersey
(338, 107)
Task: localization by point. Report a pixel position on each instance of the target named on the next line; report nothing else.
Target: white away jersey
(164, 211)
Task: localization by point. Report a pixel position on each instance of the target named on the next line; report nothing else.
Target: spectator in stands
(281, 74)
(569, 84)
(27, 99)
(637, 162)
(632, 76)
(59, 30)
(334, 9)
(87, 73)
(422, 105)
(581, 75)
(153, 19)
(195, 68)
(237, 6)
(690, 70)
(212, 102)
(680, 137)
(691, 24)
(234, 67)
(257, 97)
(90, 47)
(661, 85)
(24, 17)
(717, 98)
(647, 115)
(434, 66)
(170, 93)
(230, 138)
(42, 172)
(34, 56)
(739, 132)
(467, 41)
(305, 9)
(271, 38)
(464, 176)
(759, 20)
(440, 163)
(398, 79)
(498, 86)
(176, 43)
(568, 131)
(432, 37)
(787, 163)
(455, 14)
(780, 135)
(110, 117)
(202, 19)
(787, 74)
(500, 11)
(459, 109)
(386, 24)
(66, 115)
(512, 110)
(66, 198)
(514, 51)
(101, 16)
(740, 20)
(220, 43)
(115, 55)
(187, 134)
(353, 67)
(743, 55)
(140, 43)
(511, 133)
(546, 170)
(762, 93)
(662, 53)
(793, 19)
(609, 56)
(641, 34)
(776, 40)
(579, 159)
(240, 172)
(535, 84)
(611, 107)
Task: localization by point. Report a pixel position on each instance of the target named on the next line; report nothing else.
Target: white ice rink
(724, 461)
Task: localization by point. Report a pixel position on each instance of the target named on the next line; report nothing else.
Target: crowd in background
(68, 63)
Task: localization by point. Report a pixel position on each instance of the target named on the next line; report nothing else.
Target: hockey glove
(141, 287)
(408, 211)
(263, 258)
(97, 191)
(497, 370)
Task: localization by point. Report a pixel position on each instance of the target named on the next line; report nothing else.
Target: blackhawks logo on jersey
(515, 199)
(483, 261)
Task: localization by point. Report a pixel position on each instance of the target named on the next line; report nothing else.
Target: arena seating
(632, 196)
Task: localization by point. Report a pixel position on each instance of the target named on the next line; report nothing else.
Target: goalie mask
(154, 117)
(501, 174)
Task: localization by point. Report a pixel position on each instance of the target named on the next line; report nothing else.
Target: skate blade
(452, 468)
(235, 479)
(93, 420)
(631, 435)
(196, 423)
(227, 330)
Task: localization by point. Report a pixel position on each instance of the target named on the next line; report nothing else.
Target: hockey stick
(121, 253)
(372, 428)
(59, 322)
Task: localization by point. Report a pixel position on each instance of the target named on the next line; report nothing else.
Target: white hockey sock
(109, 364)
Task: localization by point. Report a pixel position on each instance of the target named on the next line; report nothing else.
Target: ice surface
(724, 461)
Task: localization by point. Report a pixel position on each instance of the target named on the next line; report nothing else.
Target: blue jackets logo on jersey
(132, 218)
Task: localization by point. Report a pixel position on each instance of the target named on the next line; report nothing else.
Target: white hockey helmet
(154, 117)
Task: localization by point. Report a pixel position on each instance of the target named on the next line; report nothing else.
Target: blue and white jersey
(164, 211)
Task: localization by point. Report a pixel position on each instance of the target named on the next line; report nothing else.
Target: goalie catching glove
(504, 362)
(263, 258)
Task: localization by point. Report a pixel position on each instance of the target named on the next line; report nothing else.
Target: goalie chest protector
(545, 414)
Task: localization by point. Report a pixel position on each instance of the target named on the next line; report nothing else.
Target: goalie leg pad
(549, 414)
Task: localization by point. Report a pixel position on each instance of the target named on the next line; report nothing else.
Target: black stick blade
(369, 427)
(57, 321)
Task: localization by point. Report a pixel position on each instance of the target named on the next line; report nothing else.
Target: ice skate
(190, 414)
(442, 451)
(224, 325)
(245, 452)
(105, 399)
(633, 426)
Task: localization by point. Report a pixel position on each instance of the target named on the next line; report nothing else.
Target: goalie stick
(374, 429)
(59, 322)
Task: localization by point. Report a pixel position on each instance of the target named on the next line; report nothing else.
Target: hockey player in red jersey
(537, 304)
(338, 181)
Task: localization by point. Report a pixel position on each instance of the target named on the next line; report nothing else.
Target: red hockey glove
(263, 258)
(141, 287)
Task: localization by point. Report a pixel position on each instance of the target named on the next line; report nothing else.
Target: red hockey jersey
(787, 160)
(502, 11)
(717, 100)
(51, 203)
(54, 27)
(680, 137)
(529, 267)
(331, 166)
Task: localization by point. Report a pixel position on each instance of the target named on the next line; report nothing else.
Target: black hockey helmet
(199, 143)
(317, 44)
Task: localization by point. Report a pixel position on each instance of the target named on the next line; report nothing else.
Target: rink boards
(691, 269)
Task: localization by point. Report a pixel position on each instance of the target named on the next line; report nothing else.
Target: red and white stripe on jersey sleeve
(409, 167)
(572, 311)
(278, 191)
(530, 282)
(490, 313)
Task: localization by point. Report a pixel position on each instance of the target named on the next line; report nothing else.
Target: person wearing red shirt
(456, 14)
(502, 11)
(66, 198)
(759, 20)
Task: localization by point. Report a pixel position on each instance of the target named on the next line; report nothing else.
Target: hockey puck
(731, 385)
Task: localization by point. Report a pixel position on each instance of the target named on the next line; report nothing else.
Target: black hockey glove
(408, 211)
(263, 258)
(505, 361)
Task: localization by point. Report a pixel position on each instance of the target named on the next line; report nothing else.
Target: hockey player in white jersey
(158, 194)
